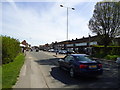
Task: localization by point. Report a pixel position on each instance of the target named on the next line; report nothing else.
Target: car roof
(79, 55)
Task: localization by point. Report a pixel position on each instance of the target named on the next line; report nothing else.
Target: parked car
(51, 50)
(62, 52)
(118, 60)
(70, 52)
(37, 50)
(80, 64)
(27, 49)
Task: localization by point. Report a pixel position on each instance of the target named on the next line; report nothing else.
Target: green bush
(99, 52)
(10, 49)
(110, 52)
(115, 51)
(111, 57)
(0, 50)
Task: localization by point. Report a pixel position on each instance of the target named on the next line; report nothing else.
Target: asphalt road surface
(40, 70)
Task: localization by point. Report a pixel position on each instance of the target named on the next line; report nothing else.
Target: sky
(41, 22)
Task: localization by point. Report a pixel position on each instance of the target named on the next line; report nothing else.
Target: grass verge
(11, 71)
(0, 77)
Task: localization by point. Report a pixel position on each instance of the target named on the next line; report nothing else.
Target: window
(80, 44)
(68, 58)
(69, 45)
(71, 58)
(93, 43)
(82, 58)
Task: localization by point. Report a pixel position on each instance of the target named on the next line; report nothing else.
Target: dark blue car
(80, 64)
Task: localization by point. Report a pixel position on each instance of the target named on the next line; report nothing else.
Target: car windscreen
(82, 58)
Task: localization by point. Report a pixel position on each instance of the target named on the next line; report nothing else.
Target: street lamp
(67, 16)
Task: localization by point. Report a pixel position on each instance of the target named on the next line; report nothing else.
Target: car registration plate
(92, 66)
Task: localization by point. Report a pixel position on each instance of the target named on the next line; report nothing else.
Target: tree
(105, 21)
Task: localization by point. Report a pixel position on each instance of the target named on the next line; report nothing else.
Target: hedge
(0, 50)
(102, 51)
(10, 49)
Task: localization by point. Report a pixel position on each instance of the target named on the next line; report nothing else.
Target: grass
(11, 71)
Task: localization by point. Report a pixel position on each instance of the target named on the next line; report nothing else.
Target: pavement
(35, 72)
(29, 75)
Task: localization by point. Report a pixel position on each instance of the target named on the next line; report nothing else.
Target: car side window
(68, 58)
(71, 58)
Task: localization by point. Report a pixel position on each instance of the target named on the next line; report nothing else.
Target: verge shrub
(10, 49)
(111, 57)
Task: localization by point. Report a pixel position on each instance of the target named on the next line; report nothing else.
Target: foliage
(10, 49)
(106, 21)
(11, 70)
(99, 52)
(102, 52)
(0, 50)
(104, 46)
(111, 57)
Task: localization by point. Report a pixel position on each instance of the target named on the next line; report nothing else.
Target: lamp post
(67, 16)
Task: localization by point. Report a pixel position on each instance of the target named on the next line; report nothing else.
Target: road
(40, 70)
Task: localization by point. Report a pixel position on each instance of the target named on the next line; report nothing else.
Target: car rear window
(82, 58)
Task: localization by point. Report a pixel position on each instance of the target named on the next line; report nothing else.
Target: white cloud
(53, 0)
(46, 27)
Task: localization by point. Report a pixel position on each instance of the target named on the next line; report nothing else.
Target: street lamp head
(73, 8)
(61, 5)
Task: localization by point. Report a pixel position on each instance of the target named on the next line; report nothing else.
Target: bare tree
(106, 21)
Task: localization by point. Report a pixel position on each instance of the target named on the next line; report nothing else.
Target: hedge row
(102, 51)
(10, 49)
(0, 62)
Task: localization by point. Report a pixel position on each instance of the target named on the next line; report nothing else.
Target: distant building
(81, 45)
